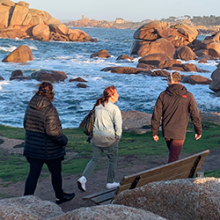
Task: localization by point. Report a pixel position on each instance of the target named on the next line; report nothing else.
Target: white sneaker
(81, 182)
(112, 185)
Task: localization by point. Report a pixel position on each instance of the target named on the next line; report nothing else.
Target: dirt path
(126, 166)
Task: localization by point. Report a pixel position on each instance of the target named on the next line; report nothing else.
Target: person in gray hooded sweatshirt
(107, 132)
(173, 106)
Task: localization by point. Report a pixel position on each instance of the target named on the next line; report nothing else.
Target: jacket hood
(38, 102)
(176, 89)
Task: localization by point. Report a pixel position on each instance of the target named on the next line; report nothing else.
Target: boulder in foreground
(182, 199)
(28, 207)
(108, 212)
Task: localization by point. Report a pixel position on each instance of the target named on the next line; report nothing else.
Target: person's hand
(156, 137)
(198, 136)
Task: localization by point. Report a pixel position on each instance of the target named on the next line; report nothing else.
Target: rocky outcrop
(49, 75)
(177, 35)
(28, 207)
(17, 20)
(78, 79)
(21, 54)
(161, 45)
(125, 57)
(81, 85)
(108, 212)
(153, 37)
(41, 31)
(126, 70)
(210, 46)
(149, 31)
(162, 73)
(215, 84)
(101, 54)
(153, 59)
(18, 75)
(196, 79)
(135, 120)
(186, 67)
(183, 199)
(185, 53)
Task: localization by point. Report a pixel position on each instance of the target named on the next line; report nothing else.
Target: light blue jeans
(112, 154)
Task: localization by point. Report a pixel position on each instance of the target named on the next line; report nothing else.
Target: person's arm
(53, 128)
(156, 138)
(117, 120)
(198, 136)
(156, 118)
(195, 117)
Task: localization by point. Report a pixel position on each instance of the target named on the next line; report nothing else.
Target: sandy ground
(126, 166)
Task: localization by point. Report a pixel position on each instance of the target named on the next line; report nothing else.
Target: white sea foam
(9, 48)
(136, 92)
(33, 47)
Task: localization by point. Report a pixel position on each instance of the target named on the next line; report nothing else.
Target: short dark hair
(46, 89)
(175, 76)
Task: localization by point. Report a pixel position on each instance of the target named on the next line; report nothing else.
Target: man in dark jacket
(174, 106)
(44, 142)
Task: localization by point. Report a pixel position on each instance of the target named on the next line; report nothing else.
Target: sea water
(136, 92)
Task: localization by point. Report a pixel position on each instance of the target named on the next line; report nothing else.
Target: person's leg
(175, 149)
(168, 142)
(96, 159)
(112, 154)
(55, 169)
(34, 173)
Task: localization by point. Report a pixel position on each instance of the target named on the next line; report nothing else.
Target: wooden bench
(181, 169)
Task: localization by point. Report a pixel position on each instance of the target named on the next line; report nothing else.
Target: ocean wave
(136, 91)
(9, 48)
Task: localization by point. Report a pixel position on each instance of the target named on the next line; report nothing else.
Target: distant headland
(204, 25)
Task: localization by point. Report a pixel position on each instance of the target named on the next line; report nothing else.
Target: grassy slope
(15, 167)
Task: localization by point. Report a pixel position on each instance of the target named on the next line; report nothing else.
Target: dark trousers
(55, 169)
(175, 147)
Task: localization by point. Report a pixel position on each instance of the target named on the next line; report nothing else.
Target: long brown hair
(46, 89)
(107, 93)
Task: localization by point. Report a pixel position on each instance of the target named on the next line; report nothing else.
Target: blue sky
(135, 10)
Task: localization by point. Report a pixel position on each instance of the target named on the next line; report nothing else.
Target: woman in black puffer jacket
(44, 141)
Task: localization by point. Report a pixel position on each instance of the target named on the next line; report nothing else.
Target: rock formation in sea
(17, 20)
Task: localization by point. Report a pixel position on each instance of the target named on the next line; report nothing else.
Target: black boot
(66, 197)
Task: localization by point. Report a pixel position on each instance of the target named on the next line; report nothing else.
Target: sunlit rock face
(17, 20)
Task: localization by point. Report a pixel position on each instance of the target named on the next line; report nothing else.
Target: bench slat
(103, 198)
(99, 193)
(155, 178)
(163, 172)
(176, 170)
(171, 166)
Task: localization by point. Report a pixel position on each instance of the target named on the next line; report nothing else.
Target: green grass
(215, 173)
(10, 132)
(15, 168)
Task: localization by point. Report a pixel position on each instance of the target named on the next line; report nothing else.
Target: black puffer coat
(174, 106)
(44, 138)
